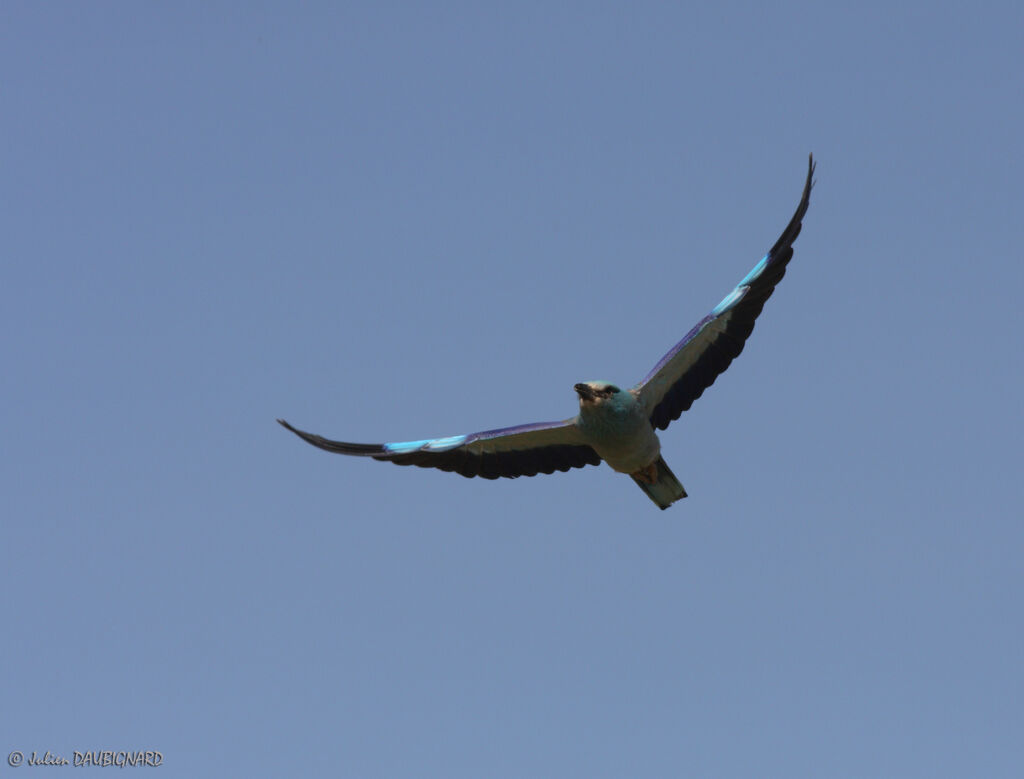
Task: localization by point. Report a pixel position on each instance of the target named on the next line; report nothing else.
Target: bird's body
(614, 425)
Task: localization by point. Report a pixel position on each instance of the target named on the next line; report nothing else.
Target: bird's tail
(660, 484)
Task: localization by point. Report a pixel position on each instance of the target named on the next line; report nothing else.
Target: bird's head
(596, 393)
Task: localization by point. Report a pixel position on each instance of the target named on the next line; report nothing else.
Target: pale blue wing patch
(402, 447)
(427, 445)
(730, 301)
(756, 271)
(444, 444)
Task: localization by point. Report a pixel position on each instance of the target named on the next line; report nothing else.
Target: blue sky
(393, 221)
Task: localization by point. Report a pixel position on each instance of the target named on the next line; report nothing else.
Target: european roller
(613, 424)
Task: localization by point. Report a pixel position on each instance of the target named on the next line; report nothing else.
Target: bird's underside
(608, 418)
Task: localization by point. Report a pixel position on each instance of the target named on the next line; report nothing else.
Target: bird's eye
(611, 389)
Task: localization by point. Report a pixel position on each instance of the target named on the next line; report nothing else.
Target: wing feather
(510, 452)
(693, 364)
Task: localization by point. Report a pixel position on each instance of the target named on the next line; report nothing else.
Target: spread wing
(706, 351)
(525, 450)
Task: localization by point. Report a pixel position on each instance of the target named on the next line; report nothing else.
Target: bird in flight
(615, 425)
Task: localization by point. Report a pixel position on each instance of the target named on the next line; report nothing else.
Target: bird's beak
(585, 391)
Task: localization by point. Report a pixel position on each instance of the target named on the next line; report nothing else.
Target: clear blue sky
(393, 221)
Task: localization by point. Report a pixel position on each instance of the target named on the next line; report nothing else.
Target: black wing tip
(338, 447)
(792, 230)
(805, 199)
(809, 183)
